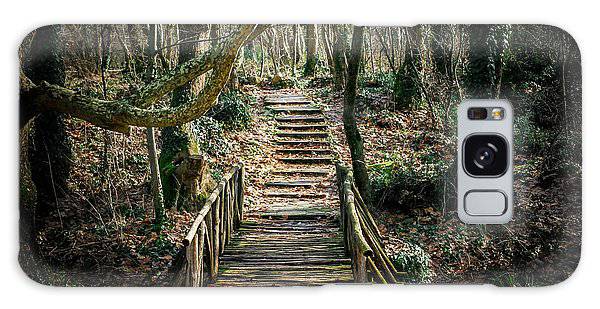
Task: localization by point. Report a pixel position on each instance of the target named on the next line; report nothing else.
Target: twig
(53, 186)
(187, 41)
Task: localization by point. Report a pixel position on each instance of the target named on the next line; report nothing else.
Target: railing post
(241, 188)
(222, 227)
(361, 268)
(212, 229)
(202, 236)
(236, 199)
(216, 237)
(231, 208)
(192, 260)
(225, 221)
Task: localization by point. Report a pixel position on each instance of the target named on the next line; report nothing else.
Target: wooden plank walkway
(296, 240)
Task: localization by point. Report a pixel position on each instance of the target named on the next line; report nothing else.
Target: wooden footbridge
(295, 239)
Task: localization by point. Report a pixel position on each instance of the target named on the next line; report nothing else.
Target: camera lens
(485, 155)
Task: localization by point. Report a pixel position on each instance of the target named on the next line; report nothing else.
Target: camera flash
(497, 113)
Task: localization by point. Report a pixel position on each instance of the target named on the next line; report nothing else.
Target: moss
(232, 110)
(406, 86)
(208, 136)
(175, 141)
(413, 260)
(411, 180)
(201, 136)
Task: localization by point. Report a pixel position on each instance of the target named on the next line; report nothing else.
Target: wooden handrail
(362, 239)
(211, 230)
(355, 224)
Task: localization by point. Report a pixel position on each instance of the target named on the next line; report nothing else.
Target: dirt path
(290, 235)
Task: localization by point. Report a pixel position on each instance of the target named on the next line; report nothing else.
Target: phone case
(290, 155)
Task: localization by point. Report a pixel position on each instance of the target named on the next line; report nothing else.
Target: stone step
(302, 134)
(275, 260)
(284, 96)
(302, 127)
(296, 183)
(307, 195)
(307, 160)
(304, 150)
(307, 171)
(297, 215)
(289, 102)
(302, 142)
(300, 118)
(296, 110)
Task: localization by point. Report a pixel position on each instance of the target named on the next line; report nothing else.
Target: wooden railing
(220, 215)
(362, 239)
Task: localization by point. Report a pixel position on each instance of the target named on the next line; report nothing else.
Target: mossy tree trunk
(49, 147)
(406, 79)
(355, 141)
(311, 50)
(178, 142)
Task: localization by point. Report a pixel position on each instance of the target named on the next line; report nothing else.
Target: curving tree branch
(119, 115)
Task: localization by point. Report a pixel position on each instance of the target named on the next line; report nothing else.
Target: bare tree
(340, 49)
(156, 184)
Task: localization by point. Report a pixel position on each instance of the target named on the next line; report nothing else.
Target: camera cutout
(485, 173)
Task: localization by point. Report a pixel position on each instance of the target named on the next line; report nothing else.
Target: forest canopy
(135, 110)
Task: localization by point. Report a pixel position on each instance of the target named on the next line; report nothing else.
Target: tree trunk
(296, 51)
(157, 191)
(271, 42)
(371, 53)
(328, 48)
(355, 141)
(178, 141)
(262, 58)
(49, 146)
(311, 50)
(406, 78)
(105, 42)
(441, 56)
(340, 50)
(480, 70)
(156, 185)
